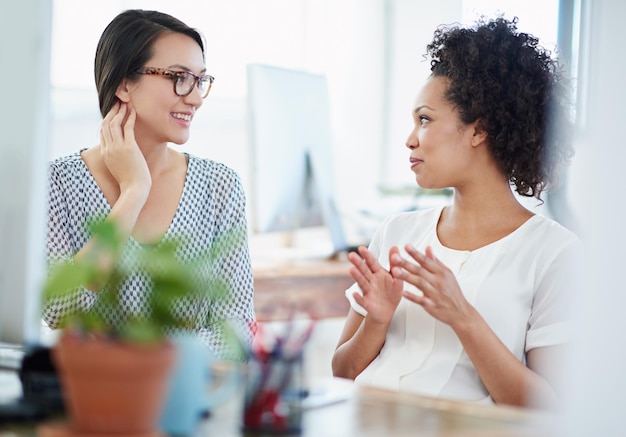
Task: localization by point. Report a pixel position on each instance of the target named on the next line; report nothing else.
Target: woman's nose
(411, 141)
(194, 98)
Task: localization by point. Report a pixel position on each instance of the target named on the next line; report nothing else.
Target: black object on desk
(41, 389)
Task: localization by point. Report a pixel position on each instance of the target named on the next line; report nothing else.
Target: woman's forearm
(507, 380)
(124, 214)
(353, 355)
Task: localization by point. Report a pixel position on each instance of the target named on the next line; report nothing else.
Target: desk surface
(370, 412)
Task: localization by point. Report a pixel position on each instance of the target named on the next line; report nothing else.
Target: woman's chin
(179, 141)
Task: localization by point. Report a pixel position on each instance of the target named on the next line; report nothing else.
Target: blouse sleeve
(58, 243)
(59, 249)
(231, 309)
(549, 323)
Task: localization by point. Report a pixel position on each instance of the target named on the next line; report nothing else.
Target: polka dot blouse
(212, 207)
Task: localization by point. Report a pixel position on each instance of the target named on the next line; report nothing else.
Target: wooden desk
(371, 412)
(293, 269)
(376, 412)
(315, 285)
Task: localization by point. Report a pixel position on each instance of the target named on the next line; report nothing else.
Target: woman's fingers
(407, 270)
(429, 253)
(360, 271)
(365, 262)
(371, 261)
(120, 151)
(129, 127)
(441, 295)
(356, 260)
(422, 271)
(105, 130)
(414, 277)
(368, 272)
(426, 260)
(116, 124)
(359, 299)
(424, 301)
(357, 275)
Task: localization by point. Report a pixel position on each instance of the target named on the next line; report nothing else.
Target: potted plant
(114, 376)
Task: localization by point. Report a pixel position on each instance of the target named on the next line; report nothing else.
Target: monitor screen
(291, 152)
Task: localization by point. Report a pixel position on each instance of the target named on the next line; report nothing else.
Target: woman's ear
(122, 92)
(479, 135)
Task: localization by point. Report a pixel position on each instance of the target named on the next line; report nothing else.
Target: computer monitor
(291, 152)
(24, 72)
(29, 387)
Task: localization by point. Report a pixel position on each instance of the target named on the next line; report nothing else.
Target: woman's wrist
(377, 325)
(135, 193)
(468, 324)
(127, 208)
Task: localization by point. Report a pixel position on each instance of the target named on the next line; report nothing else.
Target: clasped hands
(383, 289)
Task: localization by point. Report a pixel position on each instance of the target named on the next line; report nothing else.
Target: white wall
(341, 39)
(411, 27)
(597, 382)
(371, 52)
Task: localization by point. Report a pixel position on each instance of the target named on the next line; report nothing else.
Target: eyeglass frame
(174, 74)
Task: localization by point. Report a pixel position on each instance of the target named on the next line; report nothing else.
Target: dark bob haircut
(515, 89)
(127, 44)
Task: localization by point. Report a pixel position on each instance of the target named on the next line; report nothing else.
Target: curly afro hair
(515, 89)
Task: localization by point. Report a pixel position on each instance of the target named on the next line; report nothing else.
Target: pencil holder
(274, 393)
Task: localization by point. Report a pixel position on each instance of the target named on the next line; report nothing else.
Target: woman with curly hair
(468, 301)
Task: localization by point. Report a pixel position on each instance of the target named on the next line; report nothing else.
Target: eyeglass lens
(186, 82)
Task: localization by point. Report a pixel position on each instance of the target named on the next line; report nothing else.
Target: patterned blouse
(212, 206)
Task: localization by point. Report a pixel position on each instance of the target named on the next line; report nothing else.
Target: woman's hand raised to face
(381, 291)
(120, 151)
(442, 297)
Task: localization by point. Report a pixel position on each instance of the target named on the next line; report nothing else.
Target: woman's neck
(159, 157)
(479, 217)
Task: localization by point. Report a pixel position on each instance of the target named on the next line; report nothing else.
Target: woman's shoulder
(547, 230)
(69, 166)
(414, 217)
(545, 241)
(411, 225)
(71, 160)
(211, 168)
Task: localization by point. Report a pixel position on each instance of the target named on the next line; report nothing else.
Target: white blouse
(518, 284)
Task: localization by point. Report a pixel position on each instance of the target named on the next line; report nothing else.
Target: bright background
(370, 51)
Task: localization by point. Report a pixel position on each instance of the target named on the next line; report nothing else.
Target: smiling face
(442, 147)
(163, 116)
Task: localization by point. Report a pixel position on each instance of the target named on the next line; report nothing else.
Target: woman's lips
(183, 118)
(414, 162)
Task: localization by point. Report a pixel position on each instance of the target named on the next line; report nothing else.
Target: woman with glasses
(151, 79)
(469, 301)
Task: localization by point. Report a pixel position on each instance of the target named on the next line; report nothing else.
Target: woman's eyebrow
(419, 108)
(183, 67)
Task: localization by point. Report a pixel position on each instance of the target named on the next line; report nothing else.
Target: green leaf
(66, 278)
(173, 283)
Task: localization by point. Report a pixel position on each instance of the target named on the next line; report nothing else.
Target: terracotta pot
(112, 387)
